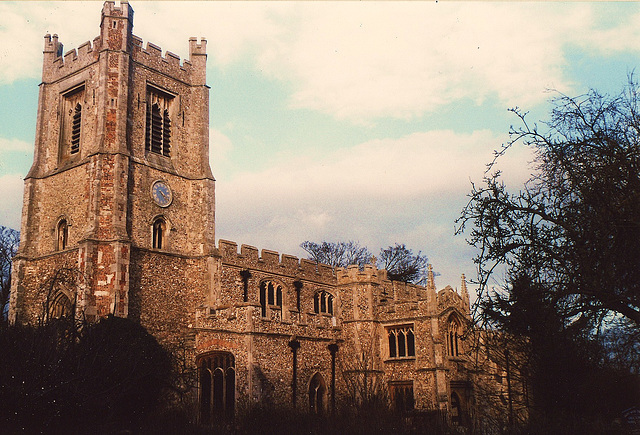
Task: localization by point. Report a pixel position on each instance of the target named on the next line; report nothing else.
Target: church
(121, 191)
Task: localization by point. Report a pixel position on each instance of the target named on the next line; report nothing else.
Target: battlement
(353, 273)
(272, 261)
(171, 59)
(195, 48)
(109, 9)
(116, 34)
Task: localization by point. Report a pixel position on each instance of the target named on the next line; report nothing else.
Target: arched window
(217, 381)
(159, 230)
(456, 411)
(317, 394)
(454, 332)
(323, 302)
(60, 307)
(158, 122)
(270, 294)
(71, 123)
(75, 129)
(401, 341)
(62, 235)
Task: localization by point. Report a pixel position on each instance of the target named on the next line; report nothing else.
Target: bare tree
(567, 246)
(399, 261)
(403, 265)
(575, 226)
(340, 254)
(9, 240)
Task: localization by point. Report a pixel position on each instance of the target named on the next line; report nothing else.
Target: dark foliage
(575, 225)
(9, 240)
(403, 265)
(567, 244)
(110, 378)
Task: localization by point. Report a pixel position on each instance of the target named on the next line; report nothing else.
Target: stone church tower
(120, 188)
(118, 218)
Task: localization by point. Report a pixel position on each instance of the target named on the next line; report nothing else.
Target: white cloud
(11, 187)
(355, 61)
(220, 147)
(24, 24)
(406, 190)
(429, 162)
(15, 145)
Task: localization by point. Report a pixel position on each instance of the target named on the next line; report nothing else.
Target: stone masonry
(121, 192)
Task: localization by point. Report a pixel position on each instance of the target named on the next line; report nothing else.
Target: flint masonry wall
(189, 293)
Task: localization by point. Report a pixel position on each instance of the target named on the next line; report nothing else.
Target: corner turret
(116, 26)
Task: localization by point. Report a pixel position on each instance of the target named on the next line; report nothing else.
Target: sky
(364, 121)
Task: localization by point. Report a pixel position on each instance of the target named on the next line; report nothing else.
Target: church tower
(120, 194)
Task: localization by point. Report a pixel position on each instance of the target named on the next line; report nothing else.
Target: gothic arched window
(60, 307)
(270, 294)
(71, 122)
(62, 235)
(217, 379)
(454, 333)
(317, 394)
(401, 341)
(159, 230)
(158, 123)
(323, 302)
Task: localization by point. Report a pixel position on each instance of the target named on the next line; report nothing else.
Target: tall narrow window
(317, 394)
(270, 295)
(71, 123)
(155, 128)
(323, 302)
(454, 333)
(158, 122)
(401, 341)
(166, 134)
(217, 386)
(62, 235)
(75, 129)
(159, 233)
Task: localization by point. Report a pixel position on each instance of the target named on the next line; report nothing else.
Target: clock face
(161, 193)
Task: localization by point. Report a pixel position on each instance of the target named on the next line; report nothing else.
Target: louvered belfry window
(72, 105)
(75, 129)
(158, 125)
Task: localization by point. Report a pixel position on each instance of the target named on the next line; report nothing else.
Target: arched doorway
(217, 383)
(317, 394)
(456, 410)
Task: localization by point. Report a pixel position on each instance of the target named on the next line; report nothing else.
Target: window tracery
(270, 294)
(454, 333)
(401, 341)
(323, 302)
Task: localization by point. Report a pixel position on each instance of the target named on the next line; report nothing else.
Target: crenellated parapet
(249, 257)
(56, 65)
(116, 35)
(190, 70)
(353, 273)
